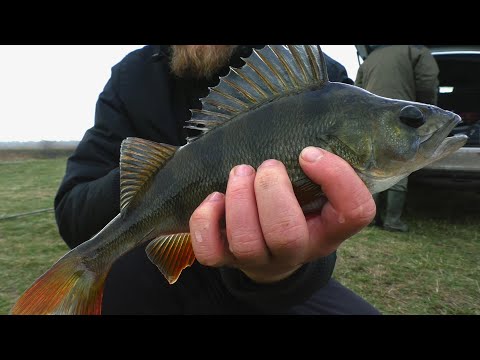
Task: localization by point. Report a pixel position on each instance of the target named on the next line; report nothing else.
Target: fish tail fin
(69, 287)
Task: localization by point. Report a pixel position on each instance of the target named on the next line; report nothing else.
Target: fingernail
(214, 196)
(269, 162)
(312, 154)
(243, 170)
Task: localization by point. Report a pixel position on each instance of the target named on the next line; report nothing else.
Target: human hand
(267, 235)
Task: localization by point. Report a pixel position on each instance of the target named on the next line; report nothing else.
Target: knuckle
(363, 213)
(205, 253)
(286, 235)
(246, 246)
(200, 216)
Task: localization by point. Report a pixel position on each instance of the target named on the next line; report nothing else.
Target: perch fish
(278, 103)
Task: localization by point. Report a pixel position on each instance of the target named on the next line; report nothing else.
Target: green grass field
(434, 269)
(28, 244)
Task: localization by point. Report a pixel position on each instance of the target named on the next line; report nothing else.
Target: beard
(199, 61)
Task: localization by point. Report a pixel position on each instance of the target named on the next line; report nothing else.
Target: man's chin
(200, 61)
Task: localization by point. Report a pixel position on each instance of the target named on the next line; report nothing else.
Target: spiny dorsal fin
(269, 73)
(139, 160)
(171, 253)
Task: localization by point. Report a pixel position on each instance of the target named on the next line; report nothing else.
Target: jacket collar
(160, 51)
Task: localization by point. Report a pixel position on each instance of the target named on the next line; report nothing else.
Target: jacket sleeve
(89, 195)
(426, 75)
(279, 297)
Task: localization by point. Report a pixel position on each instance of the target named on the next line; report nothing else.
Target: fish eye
(412, 116)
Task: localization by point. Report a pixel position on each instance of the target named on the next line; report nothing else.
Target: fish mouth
(437, 144)
(433, 146)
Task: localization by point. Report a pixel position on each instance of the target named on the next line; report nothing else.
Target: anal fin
(171, 254)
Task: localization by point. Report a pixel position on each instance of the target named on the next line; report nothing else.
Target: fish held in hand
(278, 103)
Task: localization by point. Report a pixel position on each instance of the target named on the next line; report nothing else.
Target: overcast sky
(48, 92)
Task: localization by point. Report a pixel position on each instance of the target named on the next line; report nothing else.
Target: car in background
(459, 91)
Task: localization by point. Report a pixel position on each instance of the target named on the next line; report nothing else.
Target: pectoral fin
(171, 254)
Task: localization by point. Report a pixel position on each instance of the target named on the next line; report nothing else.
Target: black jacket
(143, 99)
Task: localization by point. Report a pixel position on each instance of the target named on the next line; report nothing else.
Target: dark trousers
(135, 286)
(335, 299)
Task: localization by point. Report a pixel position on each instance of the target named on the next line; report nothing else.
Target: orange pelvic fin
(171, 254)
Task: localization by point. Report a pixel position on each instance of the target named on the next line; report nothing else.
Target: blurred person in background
(405, 72)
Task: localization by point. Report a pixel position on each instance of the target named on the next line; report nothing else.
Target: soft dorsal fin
(269, 73)
(139, 160)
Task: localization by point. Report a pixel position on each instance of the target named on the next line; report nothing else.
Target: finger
(282, 220)
(350, 205)
(208, 245)
(244, 233)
